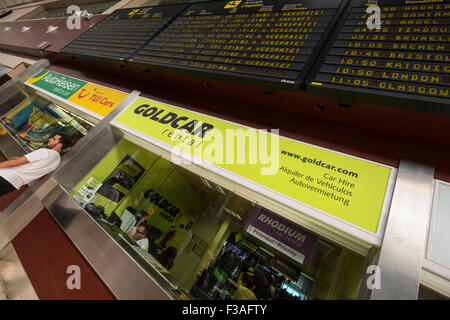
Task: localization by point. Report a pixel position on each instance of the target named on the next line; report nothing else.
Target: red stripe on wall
(46, 252)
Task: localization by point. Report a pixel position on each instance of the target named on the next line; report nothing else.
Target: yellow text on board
(232, 4)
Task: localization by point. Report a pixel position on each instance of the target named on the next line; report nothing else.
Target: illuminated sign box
(93, 99)
(284, 236)
(349, 193)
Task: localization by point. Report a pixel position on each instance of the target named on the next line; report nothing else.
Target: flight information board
(253, 41)
(404, 63)
(124, 31)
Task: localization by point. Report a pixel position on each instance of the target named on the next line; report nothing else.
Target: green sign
(56, 83)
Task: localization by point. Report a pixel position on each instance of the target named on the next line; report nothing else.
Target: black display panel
(121, 33)
(406, 63)
(261, 42)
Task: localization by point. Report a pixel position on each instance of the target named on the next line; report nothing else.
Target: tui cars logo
(96, 98)
(81, 95)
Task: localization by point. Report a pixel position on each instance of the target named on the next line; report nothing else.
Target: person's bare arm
(14, 162)
(26, 137)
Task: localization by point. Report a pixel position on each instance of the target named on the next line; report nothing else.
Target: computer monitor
(128, 221)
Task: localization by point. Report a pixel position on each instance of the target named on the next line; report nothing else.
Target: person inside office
(139, 236)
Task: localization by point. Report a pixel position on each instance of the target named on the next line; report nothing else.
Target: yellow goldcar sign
(340, 185)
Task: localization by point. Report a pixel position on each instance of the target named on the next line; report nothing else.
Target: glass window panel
(189, 233)
(36, 119)
(4, 70)
(439, 237)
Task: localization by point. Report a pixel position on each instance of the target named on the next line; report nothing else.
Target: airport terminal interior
(351, 95)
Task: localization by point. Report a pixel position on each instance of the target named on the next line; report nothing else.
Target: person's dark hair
(145, 226)
(249, 282)
(65, 141)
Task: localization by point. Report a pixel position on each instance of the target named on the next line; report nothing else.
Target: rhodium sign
(286, 237)
(95, 98)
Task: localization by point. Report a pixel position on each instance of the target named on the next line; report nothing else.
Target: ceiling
(12, 3)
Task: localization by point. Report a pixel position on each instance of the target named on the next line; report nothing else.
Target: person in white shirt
(16, 172)
(139, 236)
